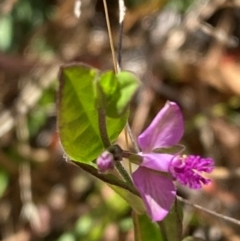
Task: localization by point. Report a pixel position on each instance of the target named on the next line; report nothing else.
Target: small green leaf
(145, 229)
(117, 91)
(126, 191)
(170, 229)
(134, 201)
(171, 226)
(77, 114)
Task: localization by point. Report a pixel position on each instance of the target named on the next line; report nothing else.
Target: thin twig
(120, 45)
(122, 10)
(146, 97)
(29, 211)
(135, 145)
(110, 37)
(226, 218)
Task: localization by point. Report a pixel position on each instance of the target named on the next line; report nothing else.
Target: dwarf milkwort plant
(157, 171)
(93, 109)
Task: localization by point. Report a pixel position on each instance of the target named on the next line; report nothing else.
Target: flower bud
(105, 162)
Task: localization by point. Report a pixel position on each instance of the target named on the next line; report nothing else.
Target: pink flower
(156, 172)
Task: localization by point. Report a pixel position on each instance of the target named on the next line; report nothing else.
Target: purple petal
(158, 192)
(156, 161)
(165, 130)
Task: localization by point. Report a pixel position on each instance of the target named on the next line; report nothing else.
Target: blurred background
(185, 51)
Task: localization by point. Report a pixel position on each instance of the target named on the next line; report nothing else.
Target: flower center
(188, 170)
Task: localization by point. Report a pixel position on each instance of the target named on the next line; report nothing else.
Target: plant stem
(107, 144)
(107, 178)
(178, 221)
(102, 128)
(123, 172)
(163, 230)
(137, 233)
(118, 165)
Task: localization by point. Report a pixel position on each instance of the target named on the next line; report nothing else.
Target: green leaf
(126, 191)
(117, 91)
(145, 229)
(171, 226)
(133, 201)
(77, 114)
(170, 229)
